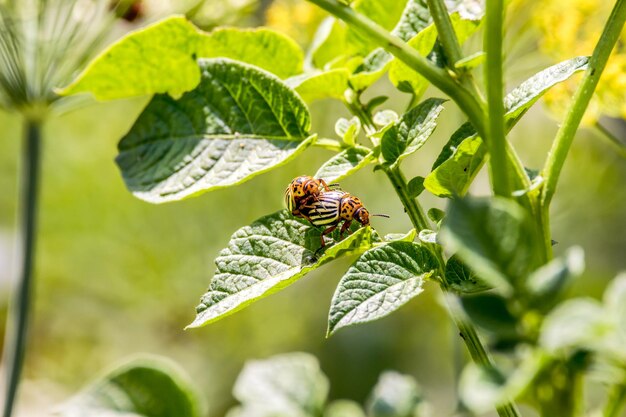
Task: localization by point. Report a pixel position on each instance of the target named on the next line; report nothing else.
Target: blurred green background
(116, 276)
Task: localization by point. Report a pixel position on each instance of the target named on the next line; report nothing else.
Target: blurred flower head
(296, 18)
(572, 27)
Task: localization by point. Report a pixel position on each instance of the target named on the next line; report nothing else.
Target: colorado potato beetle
(333, 207)
(303, 190)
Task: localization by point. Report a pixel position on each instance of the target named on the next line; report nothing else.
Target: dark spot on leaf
(194, 56)
(465, 169)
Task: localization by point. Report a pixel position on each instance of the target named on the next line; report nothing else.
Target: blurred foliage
(117, 276)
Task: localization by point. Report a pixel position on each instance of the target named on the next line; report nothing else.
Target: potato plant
(231, 104)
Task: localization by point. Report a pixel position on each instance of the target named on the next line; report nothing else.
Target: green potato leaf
(161, 58)
(344, 164)
(238, 122)
(410, 133)
(320, 85)
(454, 176)
(267, 256)
(381, 281)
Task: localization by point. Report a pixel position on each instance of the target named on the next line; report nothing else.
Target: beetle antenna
(380, 215)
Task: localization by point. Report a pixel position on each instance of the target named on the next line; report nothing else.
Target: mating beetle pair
(324, 205)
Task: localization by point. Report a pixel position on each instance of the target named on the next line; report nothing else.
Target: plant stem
(16, 332)
(496, 140)
(466, 329)
(584, 92)
(413, 208)
(615, 401)
(445, 31)
(394, 45)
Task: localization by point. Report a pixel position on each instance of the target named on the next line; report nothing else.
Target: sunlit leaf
(261, 47)
(385, 117)
(161, 58)
(454, 175)
(405, 237)
(381, 281)
(144, 387)
(427, 236)
(410, 133)
(320, 85)
(527, 93)
(267, 256)
(348, 130)
(471, 61)
(238, 122)
(344, 164)
(405, 78)
(408, 80)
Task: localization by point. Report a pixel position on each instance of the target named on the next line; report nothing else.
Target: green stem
(394, 45)
(413, 208)
(615, 401)
(467, 330)
(16, 331)
(582, 96)
(496, 140)
(445, 31)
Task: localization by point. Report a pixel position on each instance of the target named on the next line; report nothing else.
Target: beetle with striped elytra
(304, 190)
(333, 207)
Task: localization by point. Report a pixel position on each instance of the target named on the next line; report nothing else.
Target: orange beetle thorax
(305, 185)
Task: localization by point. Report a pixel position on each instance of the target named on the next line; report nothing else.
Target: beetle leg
(325, 232)
(308, 203)
(345, 227)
